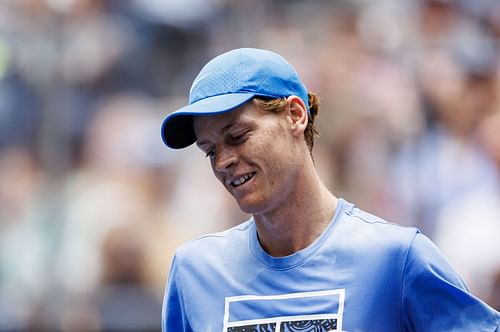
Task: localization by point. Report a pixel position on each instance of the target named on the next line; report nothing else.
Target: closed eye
(238, 138)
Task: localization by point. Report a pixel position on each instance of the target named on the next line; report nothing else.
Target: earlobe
(297, 114)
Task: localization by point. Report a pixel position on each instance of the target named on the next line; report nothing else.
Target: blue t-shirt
(361, 274)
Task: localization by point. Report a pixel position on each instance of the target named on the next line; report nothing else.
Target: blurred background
(92, 205)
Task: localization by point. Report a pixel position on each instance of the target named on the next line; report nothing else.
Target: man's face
(252, 153)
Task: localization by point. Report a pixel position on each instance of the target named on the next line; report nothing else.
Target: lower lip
(242, 186)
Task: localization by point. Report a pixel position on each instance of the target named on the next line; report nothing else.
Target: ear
(297, 115)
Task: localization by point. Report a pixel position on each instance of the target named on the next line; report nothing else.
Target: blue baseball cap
(228, 81)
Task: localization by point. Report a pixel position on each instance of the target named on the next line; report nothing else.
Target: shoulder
(215, 245)
(373, 230)
(417, 253)
(370, 241)
(434, 297)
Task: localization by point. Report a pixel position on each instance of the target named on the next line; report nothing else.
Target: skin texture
(290, 204)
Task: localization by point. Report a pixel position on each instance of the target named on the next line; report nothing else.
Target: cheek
(277, 154)
(217, 175)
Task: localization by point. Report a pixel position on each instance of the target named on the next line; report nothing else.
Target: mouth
(241, 180)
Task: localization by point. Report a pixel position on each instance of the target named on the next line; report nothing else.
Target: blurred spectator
(24, 238)
(118, 182)
(124, 301)
(469, 227)
(455, 68)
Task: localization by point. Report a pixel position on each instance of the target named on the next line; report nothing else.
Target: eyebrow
(220, 132)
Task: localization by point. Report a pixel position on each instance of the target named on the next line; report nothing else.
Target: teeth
(241, 179)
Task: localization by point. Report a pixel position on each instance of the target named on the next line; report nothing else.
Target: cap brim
(177, 129)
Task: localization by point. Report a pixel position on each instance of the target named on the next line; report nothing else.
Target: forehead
(206, 126)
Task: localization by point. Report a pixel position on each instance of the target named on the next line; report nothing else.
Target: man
(306, 260)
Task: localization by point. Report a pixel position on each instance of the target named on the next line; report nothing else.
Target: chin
(251, 206)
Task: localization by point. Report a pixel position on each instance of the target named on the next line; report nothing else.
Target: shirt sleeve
(173, 314)
(436, 299)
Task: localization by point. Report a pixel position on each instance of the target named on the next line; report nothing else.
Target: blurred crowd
(92, 205)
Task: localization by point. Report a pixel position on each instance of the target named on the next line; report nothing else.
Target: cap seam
(241, 65)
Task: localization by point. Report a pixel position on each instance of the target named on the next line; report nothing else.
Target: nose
(224, 158)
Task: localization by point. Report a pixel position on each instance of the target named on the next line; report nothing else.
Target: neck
(300, 220)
